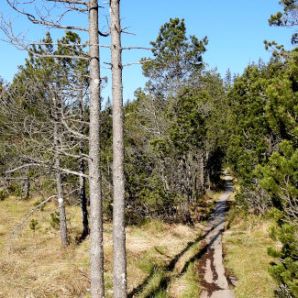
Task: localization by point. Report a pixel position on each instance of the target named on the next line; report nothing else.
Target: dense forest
(182, 131)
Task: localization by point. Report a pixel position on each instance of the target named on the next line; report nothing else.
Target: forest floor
(163, 259)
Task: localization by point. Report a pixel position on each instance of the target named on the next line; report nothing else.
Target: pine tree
(288, 17)
(176, 58)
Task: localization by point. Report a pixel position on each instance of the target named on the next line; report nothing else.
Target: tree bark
(82, 180)
(202, 171)
(59, 185)
(83, 200)
(119, 265)
(96, 222)
(26, 186)
(208, 171)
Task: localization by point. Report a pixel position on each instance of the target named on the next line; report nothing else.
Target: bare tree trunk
(83, 200)
(164, 177)
(202, 171)
(96, 222)
(82, 180)
(208, 171)
(120, 279)
(188, 174)
(62, 214)
(26, 186)
(60, 196)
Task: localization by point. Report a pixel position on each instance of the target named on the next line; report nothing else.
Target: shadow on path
(165, 280)
(208, 238)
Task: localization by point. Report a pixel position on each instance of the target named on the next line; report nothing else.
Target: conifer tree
(288, 17)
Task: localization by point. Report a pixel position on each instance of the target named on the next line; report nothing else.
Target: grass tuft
(246, 256)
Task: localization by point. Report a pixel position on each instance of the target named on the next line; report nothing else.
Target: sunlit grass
(34, 264)
(246, 257)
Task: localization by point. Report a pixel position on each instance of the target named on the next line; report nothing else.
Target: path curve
(214, 281)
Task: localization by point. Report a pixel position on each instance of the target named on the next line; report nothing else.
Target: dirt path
(215, 282)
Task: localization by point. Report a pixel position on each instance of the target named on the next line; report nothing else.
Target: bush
(54, 220)
(254, 199)
(33, 224)
(285, 270)
(3, 194)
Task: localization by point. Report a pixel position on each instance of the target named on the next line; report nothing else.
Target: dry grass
(214, 196)
(34, 265)
(186, 286)
(246, 246)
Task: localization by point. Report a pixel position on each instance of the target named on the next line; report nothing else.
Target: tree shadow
(83, 236)
(164, 282)
(203, 250)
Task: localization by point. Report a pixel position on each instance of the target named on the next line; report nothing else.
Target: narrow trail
(214, 280)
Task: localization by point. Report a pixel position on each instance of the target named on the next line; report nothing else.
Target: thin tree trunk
(120, 279)
(208, 171)
(202, 172)
(96, 222)
(62, 214)
(26, 186)
(83, 200)
(164, 177)
(60, 196)
(82, 180)
(188, 180)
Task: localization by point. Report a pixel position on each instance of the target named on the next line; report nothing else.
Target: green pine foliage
(176, 58)
(181, 130)
(280, 179)
(287, 17)
(263, 152)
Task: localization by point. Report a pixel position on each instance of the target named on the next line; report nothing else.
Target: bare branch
(41, 21)
(75, 133)
(19, 227)
(78, 2)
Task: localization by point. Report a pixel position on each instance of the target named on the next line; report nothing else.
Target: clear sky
(236, 30)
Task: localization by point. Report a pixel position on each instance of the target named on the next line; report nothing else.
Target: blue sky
(236, 30)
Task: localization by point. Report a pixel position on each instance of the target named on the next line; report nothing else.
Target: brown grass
(34, 264)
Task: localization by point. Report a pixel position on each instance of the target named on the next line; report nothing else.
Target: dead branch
(19, 227)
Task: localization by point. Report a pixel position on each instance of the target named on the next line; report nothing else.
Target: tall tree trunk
(60, 195)
(120, 279)
(82, 180)
(83, 199)
(96, 222)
